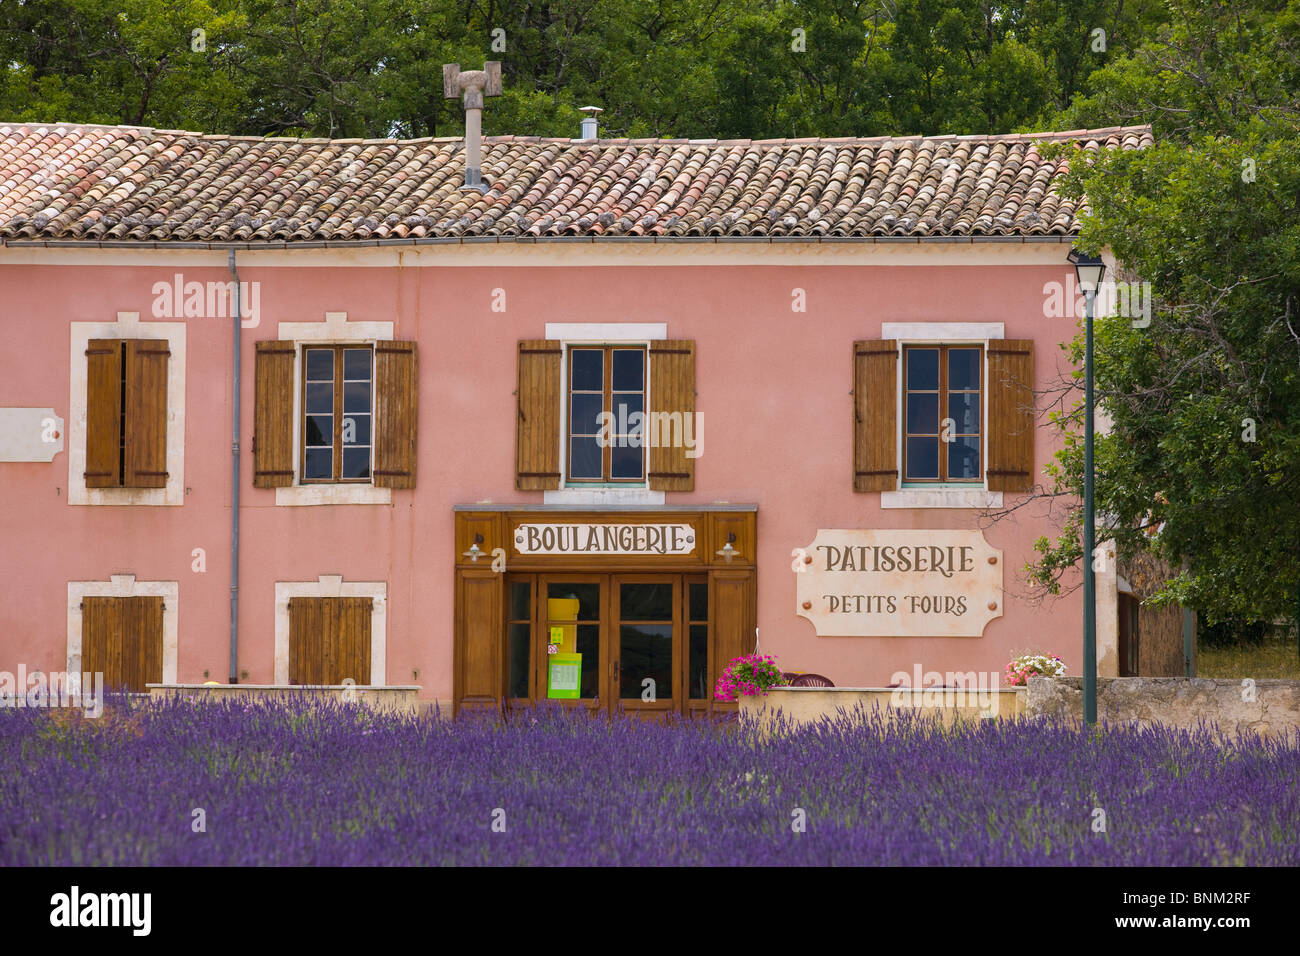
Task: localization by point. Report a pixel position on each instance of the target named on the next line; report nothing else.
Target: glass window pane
(645, 602)
(699, 597)
(626, 462)
(584, 414)
(320, 430)
(587, 369)
(629, 370)
(922, 458)
(520, 644)
(356, 429)
(356, 396)
(923, 413)
(520, 601)
(320, 397)
(964, 458)
(627, 404)
(320, 365)
(589, 647)
(587, 596)
(584, 462)
(356, 462)
(318, 463)
(698, 675)
(964, 410)
(356, 364)
(963, 368)
(646, 651)
(922, 368)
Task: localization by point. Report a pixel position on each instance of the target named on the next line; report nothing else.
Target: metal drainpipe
(234, 489)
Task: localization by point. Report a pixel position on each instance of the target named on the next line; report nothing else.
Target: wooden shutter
(103, 413)
(537, 428)
(1011, 415)
(733, 611)
(273, 415)
(122, 637)
(145, 446)
(479, 681)
(306, 640)
(672, 393)
(395, 414)
(875, 415)
(348, 642)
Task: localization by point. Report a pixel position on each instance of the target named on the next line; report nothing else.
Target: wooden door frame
(541, 621)
(674, 702)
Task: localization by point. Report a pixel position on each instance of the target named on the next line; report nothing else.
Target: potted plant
(749, 675)
(1033, 665)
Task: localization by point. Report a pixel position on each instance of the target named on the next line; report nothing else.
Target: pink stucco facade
(773, 387)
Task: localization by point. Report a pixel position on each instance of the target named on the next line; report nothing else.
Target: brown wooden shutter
(306, 640)
(145, 447)
(122, 638)
(672, 393)
(479, 671)
(1011, 415)
(875, 415)
(348, 644)
(537, 427)
(101, 639)
(103, 413)
(395, 414)
(733, 611)
(273, 415)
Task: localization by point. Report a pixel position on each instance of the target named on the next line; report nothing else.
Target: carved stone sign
(604, 539)
(898, 583)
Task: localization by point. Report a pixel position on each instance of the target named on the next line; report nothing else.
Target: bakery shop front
(613, 611)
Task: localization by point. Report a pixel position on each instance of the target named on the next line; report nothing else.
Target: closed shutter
(734, 614)
(145, 447)
(273, 415)
(329, 640)
(672, 394)
(537, 427)
(122, 637)
(395, 414)
(875, 415)
(479, 682)
(1011, 415)
(103, 413)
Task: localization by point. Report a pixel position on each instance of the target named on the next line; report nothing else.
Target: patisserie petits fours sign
(898, 583)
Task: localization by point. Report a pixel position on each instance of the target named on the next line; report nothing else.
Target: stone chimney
(471, 86)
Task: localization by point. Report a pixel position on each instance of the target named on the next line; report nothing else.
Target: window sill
(597, 496)
(343, 494)
(941, 498)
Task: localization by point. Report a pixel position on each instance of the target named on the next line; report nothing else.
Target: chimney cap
(590, 109)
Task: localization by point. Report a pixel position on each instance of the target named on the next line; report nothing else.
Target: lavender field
(315, 783)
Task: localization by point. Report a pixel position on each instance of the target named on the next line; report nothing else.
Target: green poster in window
(564, 676)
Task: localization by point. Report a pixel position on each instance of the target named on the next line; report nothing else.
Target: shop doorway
(614, 643)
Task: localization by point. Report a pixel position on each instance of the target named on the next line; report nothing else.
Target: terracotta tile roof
(104, 183)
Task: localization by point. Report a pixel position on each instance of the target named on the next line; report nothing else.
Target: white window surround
(127, 326)
(332, 586)
(125, 585)
(335, 330)
(941, 333)
(599, 333)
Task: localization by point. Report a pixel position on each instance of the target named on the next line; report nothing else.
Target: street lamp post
(1089, 270)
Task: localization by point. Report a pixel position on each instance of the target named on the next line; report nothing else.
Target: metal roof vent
(589, 121)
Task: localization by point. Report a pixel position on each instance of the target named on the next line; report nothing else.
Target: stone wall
(1270, 708)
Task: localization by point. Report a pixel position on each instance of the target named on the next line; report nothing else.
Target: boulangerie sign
(604, 539)
(898, 583)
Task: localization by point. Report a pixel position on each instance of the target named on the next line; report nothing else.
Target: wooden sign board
(898, 583)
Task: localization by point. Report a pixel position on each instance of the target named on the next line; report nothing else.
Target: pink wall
(773, 387)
